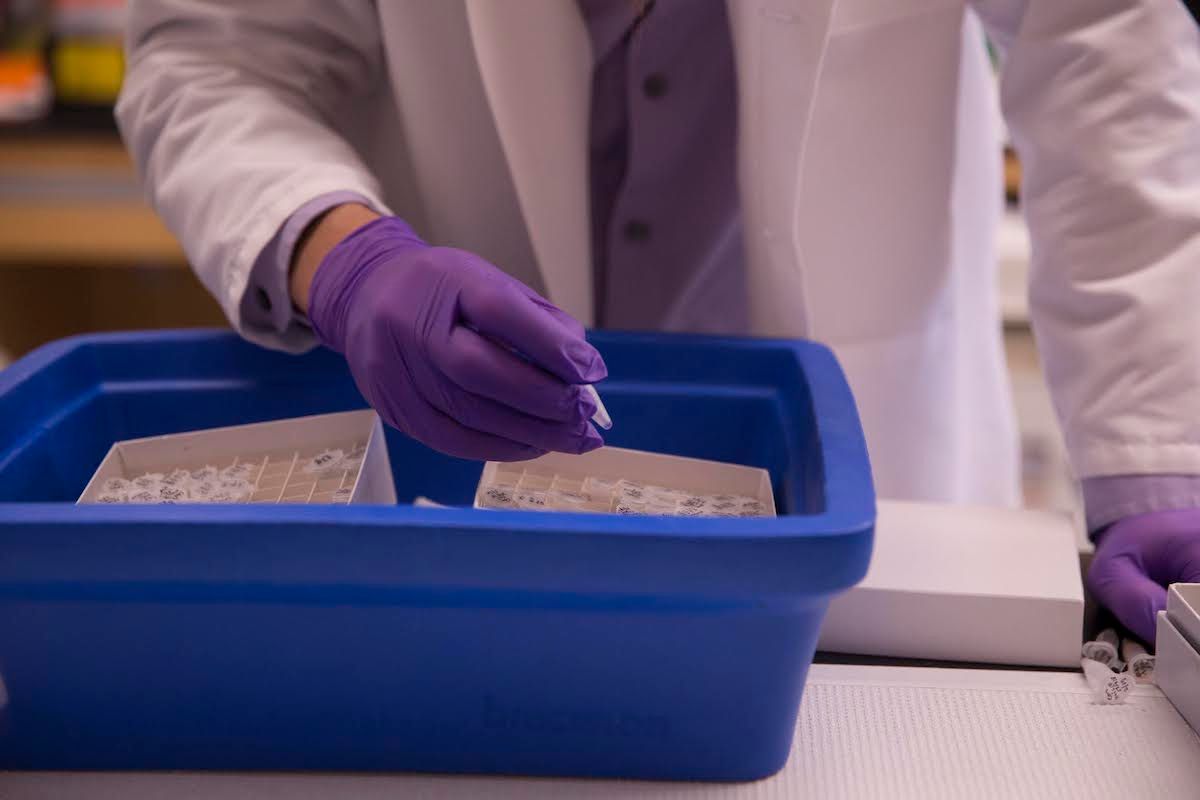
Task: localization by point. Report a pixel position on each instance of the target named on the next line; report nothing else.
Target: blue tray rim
(849, 506)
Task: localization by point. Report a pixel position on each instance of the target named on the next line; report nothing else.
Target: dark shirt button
(655, 85)
(637, 231)
(264, 299)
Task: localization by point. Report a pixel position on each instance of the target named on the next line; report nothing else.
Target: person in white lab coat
(405, 181)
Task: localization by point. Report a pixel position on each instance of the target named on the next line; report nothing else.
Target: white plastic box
(277, 453)
(730, 490)
(1177, 651)
(962, 583)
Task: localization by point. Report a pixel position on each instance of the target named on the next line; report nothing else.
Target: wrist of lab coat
(267, 302)
(1112, 497)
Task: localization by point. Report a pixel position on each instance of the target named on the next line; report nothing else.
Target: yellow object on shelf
(88, 71)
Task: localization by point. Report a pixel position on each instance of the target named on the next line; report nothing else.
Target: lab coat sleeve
(1102, 98)
(1111, 498)
(228, 111)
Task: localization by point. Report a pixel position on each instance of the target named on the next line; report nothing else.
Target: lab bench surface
(862, 732)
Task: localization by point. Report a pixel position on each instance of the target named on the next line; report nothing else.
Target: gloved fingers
(442, 433)
(1121, 585)
(431, 427)
(488, 369)
(487, 415)
(500, 312)
(449, 437)
(572, 325)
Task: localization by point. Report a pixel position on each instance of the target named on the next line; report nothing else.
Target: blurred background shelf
(74, 199)
(80, 250)
(110, 235)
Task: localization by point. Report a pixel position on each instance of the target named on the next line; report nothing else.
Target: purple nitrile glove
(1137, 557)
(430, 334)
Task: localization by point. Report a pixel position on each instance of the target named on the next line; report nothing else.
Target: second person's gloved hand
(429, 333)
(1138, 557)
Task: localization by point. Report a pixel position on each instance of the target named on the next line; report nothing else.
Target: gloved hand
(430, 333)
(1137, 557)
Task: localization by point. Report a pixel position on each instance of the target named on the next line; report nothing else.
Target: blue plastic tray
(399, 638)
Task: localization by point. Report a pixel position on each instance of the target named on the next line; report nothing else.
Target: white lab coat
(869, 177)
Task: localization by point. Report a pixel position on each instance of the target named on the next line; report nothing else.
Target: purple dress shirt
(666, 223)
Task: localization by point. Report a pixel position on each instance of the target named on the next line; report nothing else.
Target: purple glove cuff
(349, 260)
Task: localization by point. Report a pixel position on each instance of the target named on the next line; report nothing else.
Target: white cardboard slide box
(675, 472)
(1177, 662)
(285, 440)
(962, 583)
(1183, 607)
